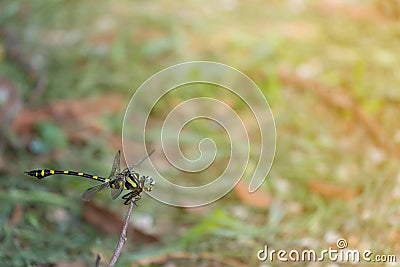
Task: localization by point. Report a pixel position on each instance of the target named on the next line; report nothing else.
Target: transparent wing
(116, 187)
(115, 192)
(116, 168)
(92, 191)
(143, 159)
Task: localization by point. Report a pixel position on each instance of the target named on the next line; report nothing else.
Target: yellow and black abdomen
(40, 174)
(43, 173)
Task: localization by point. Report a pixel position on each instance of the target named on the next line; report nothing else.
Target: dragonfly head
(148, 183)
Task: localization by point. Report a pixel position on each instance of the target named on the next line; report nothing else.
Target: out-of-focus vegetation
(329, 69)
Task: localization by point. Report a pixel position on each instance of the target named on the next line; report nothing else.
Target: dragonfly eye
(148, 183)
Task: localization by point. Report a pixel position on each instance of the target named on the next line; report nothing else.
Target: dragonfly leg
(128, 198)
(131, 196)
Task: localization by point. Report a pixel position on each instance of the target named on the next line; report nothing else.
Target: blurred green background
(329, 69)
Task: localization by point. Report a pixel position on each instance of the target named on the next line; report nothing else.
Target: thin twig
(122, 237)
(98, 259)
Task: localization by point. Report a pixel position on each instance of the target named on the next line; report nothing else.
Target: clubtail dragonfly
(118, 180)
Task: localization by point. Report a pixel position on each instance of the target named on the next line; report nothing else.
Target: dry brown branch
(338, 98)
(98, 259)
(122, 237)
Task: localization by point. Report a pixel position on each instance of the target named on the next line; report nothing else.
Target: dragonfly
(127, 179)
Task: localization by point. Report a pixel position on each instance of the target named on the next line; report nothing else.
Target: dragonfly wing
(91, 192)
(116, 187)
(143, 159)
(116, 168)
(115, 192)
